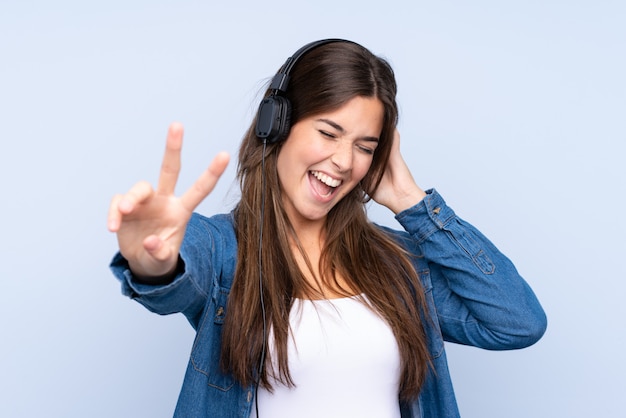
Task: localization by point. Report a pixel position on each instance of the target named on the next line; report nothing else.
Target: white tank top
(344, 361)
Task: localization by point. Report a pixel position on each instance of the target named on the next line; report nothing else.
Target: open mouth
(325, 185)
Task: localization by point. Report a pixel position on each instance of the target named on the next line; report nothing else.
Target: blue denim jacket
(474, 293)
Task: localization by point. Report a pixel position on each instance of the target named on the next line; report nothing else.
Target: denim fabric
(475, 296)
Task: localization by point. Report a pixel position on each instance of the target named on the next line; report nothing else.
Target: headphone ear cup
(273, 119)
(285, 124)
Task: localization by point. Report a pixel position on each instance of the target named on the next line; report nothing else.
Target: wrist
(160, 279)
(407, 200)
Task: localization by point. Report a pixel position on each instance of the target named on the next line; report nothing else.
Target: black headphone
(274, 116)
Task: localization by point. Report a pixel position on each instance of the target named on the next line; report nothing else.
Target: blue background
(514, 111)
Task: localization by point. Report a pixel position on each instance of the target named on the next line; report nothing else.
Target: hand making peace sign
(150, 224)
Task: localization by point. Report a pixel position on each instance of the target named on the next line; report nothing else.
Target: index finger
(170, 167)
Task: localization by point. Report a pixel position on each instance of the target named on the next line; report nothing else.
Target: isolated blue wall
(514, 112)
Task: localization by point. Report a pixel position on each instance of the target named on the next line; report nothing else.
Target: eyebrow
(341, 130)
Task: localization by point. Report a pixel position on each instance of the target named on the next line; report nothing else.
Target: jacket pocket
(431, 322)
(205, 354)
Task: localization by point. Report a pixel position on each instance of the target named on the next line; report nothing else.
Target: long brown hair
(371, 262)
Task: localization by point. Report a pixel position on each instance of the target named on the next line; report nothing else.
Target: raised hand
(398, 190)
(150, 224)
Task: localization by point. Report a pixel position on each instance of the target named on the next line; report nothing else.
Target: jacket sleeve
(208, 255)
(480, 298)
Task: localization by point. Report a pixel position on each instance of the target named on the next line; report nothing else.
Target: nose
(342, 156)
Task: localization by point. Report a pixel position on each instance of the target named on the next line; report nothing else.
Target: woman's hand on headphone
(398, 190)
(150, 224)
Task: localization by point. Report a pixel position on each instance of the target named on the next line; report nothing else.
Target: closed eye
(367, 150)
(327, 134)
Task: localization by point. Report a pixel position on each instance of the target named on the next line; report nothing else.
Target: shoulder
(220, 225)
(211, 243)
(220, 220)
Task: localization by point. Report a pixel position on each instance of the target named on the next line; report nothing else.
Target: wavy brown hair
(372, 263)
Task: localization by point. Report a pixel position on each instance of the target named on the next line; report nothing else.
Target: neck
(323, 284)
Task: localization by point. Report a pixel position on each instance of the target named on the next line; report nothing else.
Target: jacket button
(249, 396)
(220, 311)
(437, 210)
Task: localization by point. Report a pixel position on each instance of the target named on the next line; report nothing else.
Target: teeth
(327, 180)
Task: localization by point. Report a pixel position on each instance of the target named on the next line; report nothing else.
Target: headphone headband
(281, 79)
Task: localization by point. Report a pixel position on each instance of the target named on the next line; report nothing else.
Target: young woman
(302, 306)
